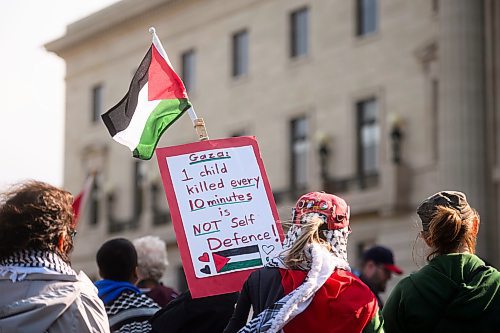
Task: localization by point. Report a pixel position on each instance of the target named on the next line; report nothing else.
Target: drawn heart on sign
(204, 257)
(206, 270)
(267, 248)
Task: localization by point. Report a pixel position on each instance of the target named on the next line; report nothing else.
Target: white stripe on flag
(131, 136)
(244, 257)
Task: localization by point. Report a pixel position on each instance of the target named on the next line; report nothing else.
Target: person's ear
(475, 226)
(62, 242)
(422, 235)
(135, 274)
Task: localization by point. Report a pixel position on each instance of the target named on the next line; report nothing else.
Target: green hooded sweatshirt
(453, 293)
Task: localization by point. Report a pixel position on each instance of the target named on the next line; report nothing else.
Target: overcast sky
(32, 86)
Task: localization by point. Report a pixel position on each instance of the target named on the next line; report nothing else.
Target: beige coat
(53, 303)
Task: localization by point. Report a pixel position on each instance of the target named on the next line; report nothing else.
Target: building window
(366, 17)
(94, 202)
(139, 174)
(236, 134)
(240, 53)
(361, 247)
(435, 6)
(97, 102)
(188, 70)
(299, 33)
(368, 140)
(159, 206)
(299, 146)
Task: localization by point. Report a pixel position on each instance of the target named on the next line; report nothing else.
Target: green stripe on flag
(241, 264)
(164, 115)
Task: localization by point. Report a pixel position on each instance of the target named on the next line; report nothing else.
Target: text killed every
(206, 186)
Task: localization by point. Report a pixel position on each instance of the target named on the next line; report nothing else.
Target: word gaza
(194, 158)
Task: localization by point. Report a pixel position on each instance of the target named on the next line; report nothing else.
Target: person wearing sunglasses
(40, 291)
(309, 287)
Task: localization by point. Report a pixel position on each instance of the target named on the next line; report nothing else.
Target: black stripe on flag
(238, 251)
(119, 116)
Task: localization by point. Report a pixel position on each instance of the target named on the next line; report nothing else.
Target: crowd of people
(309, 287)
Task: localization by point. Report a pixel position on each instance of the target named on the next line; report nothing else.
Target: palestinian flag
(81, 199)
(155, 100)
(237, 259)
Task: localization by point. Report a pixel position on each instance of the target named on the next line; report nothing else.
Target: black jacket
(200, 315)
(261, 290)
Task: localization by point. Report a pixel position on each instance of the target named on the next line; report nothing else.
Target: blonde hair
(309, 233)
(151, 257)
(449, 230)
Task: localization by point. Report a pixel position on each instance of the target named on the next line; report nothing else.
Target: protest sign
(224, 215)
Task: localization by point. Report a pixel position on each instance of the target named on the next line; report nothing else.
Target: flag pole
(198, 123)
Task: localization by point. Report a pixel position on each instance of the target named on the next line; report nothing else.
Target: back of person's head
(117, 260)
(318, 217)
(448, 223)
(151, 257)
(36, 216)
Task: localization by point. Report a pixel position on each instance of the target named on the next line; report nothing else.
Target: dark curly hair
(34, 215)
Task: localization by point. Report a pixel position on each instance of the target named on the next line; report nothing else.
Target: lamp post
(324, 154)
(396, 136)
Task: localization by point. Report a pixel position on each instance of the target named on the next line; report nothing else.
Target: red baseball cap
(334, 210)
(384, 256)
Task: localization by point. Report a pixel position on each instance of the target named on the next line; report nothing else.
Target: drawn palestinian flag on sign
(237, 259)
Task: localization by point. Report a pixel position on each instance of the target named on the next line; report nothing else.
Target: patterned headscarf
(320, 263)
(336, 238)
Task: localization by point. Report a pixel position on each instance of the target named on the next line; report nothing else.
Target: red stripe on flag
(79, 200)
(219, 261)
(77, 203)
(163, 82)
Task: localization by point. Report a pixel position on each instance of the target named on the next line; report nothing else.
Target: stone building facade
(381, 101)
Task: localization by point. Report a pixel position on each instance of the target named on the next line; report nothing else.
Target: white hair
(151, 257)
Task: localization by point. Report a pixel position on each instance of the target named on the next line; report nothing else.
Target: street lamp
(396, 136)
(324, 155)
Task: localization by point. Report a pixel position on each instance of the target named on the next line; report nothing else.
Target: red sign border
(221, 284)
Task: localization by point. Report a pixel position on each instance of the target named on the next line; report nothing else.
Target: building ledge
(101, 21)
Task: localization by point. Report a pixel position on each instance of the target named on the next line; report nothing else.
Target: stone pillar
(462, 138)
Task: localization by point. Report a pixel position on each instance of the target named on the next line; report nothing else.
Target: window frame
(295, 33)
(188, 72)
(97, 102)
(240, 54)
(299, 139)
(94, 202)
(361, 17)
(361, 124)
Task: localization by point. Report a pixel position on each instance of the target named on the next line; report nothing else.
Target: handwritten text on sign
(226, 214)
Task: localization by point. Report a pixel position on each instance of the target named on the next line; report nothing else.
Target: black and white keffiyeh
(130, 313)
(320, 265)
(24, 262)
(336, 238)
